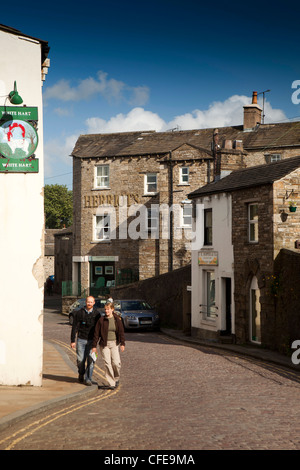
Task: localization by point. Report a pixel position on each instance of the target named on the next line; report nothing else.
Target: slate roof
(265, 136)
(248, 177)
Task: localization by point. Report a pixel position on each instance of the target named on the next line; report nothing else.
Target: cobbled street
(174, 397)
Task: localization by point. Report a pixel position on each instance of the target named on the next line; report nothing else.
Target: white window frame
(101, 180)
(187, 213)
(210, 310)
(184, 175)
(102, 227)
(153, 220)
(149, 183)
(253, 224)
(275, 157)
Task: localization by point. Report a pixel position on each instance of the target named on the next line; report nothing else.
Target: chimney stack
(252, 114)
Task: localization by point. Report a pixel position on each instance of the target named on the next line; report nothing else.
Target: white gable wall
(222, 245)
(21, 229)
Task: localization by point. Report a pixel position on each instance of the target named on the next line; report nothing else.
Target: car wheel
(71, 319)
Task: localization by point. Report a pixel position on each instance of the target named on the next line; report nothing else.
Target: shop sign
(208, 258)
(25, 165)
(18, 140)
(23, 113)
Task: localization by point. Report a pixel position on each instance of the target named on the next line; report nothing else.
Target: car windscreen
(135, 305)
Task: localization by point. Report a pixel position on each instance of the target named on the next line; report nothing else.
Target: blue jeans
(83, 349)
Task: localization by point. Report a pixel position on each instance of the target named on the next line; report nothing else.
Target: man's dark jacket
(84, 324)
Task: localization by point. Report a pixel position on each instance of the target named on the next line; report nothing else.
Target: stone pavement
(60, 383)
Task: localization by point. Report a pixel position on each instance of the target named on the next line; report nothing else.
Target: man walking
(84, 323)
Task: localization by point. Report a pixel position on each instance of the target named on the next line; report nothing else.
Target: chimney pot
(254, 97)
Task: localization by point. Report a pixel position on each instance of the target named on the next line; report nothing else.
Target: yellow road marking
(54, 417)
(59, 414)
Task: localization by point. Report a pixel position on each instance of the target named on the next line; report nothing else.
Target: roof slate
(253, 176)
(265, 136)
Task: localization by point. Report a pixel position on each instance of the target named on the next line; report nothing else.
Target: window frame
(184, 207)
(106, 228)
(152, 220)
(208, 229)
(210, 277)
(253, 227)
(102, 177)
(148, 183)
(187, 175)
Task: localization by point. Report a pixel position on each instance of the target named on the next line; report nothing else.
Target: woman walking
(109, 332)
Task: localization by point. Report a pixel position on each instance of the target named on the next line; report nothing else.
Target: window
(275, 157)
(272, 157)
(255, 312)
(253, 222)
(102, 227)
(210, 294)
(184, 175)
(102, 176)
(207, 226)
(187, 215)
(151, 183)
(153, 220)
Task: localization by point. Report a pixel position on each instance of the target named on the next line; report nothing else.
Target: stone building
(237, 272)
(132, 217)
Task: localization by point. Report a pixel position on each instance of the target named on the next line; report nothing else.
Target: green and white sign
(19, 165)
(18, 139)
(18, 112)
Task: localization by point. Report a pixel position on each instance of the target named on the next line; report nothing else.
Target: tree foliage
(58, 206)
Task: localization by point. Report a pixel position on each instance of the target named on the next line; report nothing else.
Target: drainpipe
(216, 156)
(171, 213)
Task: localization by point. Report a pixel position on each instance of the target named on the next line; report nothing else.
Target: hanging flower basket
(293, 208)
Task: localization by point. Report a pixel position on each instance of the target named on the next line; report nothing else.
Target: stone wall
(286, 300)
(251, 259)
(275, 267)
(167, 293)
(150, 257)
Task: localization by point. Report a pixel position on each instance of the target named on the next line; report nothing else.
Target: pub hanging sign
(18, 139)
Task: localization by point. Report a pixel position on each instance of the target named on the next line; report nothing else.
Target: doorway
(227, 305)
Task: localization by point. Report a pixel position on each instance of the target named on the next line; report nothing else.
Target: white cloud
(111, 89)
(137, 119)
(219, 114)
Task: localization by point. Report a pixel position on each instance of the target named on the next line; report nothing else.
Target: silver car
(137, 314)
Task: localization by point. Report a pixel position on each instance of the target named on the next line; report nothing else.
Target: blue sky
(122, 66)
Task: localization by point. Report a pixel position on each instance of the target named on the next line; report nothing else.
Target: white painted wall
(21, 229)
(222, 243)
